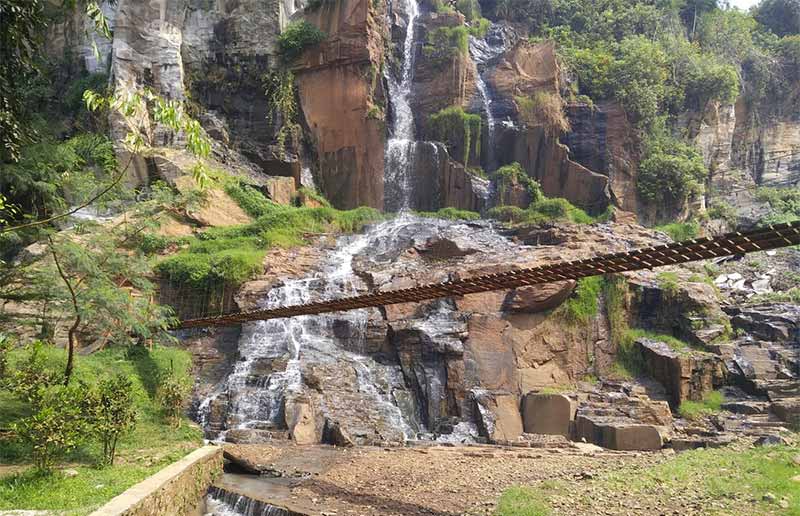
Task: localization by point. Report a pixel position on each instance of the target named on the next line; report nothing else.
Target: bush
(784, 202)
(172, 394)
(296, 37)
(450, 214)
(543, 109)
(445, 43)
(112, 413)
(249, 199)
(58, 425)
(545, 210)
(582, 307)
(479, 27)
(512, 175)
(639, 77)
(671, 172)
(723, 210)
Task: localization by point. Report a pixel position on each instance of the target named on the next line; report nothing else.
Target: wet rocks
(776, 323)
(498, 415)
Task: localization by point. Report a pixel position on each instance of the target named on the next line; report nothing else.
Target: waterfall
(401, 146)
(480, 51)
(273, 352)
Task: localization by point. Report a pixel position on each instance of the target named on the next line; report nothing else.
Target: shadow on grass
(146, 368)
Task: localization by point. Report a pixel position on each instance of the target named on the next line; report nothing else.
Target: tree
(639, 77)
(780, 16)
(671, 172)
(21, 23)
(693, 9)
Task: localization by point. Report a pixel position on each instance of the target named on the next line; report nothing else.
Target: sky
(743, 4)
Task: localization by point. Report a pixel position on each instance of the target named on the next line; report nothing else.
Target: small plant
(669, 282)
(113, 414)
(582, 307)
(458, 130)
(450, 214)
(680, 231)
(172, 394)
(446, 43)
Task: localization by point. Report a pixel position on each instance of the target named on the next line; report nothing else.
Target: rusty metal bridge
(762, 239)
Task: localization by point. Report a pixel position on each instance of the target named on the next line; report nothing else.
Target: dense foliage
(296, 37)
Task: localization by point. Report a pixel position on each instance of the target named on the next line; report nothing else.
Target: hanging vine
(454, 127)
(281, 96)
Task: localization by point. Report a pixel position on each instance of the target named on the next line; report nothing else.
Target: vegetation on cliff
(296, 37)
(458, 130)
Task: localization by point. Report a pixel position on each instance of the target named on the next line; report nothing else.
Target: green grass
(544, 210)
(582, 307)
(669, 281)
(449, 214)
(523, 501)
(633, 334)
(734, 480)
(723, 474)
(680, 231)
(232, 255)
(711, 404)
(152, 445)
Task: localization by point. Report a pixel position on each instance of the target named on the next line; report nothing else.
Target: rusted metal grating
(772, 237)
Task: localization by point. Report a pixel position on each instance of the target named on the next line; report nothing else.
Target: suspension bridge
(736, 243)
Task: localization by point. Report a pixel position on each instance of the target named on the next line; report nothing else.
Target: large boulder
(538, 298)
(686, 374)
(551, 414)
(497, 415)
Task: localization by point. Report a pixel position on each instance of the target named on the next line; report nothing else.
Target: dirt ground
(438, 480)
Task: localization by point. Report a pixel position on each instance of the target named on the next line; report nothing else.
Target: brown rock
(280, 189)
(499, 418)
(618, 435)
(336, 94)
(551, 414)
(686, 375)
(538, 298)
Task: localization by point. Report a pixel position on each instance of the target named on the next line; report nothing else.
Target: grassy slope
(151, 446)
(732, 479)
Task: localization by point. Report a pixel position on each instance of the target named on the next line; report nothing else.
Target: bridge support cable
(762, 239)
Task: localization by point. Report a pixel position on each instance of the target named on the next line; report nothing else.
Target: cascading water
(273, 352)
(401, 146)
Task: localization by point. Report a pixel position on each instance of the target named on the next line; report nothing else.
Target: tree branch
(110, 187)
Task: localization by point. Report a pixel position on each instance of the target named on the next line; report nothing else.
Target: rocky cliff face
(341, 95)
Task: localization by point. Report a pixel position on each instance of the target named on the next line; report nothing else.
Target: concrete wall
(177, 489)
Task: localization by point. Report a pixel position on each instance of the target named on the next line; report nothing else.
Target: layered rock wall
(338, 83)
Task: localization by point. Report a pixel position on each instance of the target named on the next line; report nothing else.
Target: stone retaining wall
(177, 489)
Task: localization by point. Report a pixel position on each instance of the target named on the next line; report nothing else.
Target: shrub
(512, 175)
(545, 210)
(458, 130)
(450, 214)
(639, 77)
(582, 307)
(784, 202)
(671, 172)
(296, 37)
(249, 199)
(543, 109)
(479, 27)
(58, 425)
(724, 211)
(113, 413)
(445, 43)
